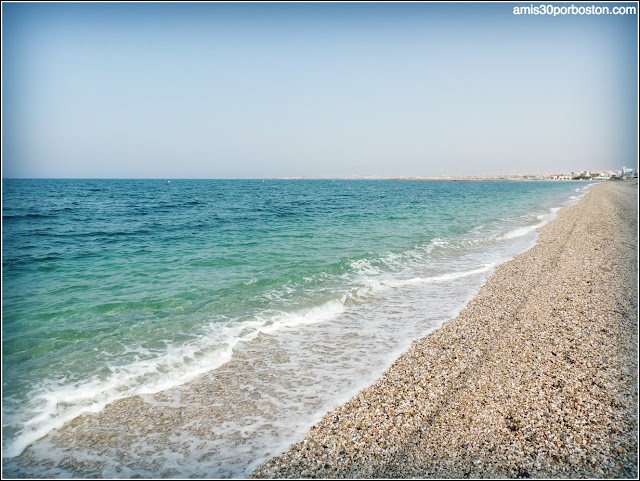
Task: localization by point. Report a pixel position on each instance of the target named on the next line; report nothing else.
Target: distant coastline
(589, 176)
(598, 175)
(491, 179)
(579, 177)
(586, 175)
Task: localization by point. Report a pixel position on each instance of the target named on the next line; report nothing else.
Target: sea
(289, 296)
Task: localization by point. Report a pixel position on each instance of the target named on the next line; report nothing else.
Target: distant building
(584, 175)
(605, 175)
(627, 173)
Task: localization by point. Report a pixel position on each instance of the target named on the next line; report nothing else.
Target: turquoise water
(119, 287)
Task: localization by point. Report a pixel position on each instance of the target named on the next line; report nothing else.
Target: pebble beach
(536, 377)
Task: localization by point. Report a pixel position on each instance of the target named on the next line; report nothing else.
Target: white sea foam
(58, 403)
(525, 230)
(522, 231)
(310, 316)
(443, 277)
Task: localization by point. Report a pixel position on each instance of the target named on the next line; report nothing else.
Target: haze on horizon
(249, 90)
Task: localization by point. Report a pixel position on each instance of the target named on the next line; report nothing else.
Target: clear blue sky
(215, 90)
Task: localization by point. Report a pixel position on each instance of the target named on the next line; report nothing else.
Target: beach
(536, 377)
(533, 374)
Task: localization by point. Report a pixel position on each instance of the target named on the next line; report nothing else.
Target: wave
(57, 403)
(17, 217)
(523, 231)
(443, 277)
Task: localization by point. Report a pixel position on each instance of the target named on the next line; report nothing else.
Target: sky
(251, 90)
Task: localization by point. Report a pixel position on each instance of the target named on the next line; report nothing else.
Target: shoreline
(536, 377)
(170, 425)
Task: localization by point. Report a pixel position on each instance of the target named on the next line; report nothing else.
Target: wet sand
(537, 376)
